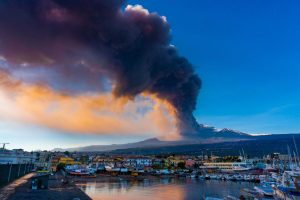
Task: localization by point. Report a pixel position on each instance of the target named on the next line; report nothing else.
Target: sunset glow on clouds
(97, 113)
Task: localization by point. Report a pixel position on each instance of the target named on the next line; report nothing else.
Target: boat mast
(295, 158)
(297, 162)
(290, 158)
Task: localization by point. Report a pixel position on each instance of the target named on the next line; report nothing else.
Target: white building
(139, 162)
(43, 160)
(17, 156)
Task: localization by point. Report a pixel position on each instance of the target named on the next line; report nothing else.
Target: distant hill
(206, 135)
(253, 146)
(256, 147)
(153, 142)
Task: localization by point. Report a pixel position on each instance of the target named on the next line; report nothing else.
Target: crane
(4, 143)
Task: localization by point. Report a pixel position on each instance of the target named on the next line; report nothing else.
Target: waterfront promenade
(21, 190)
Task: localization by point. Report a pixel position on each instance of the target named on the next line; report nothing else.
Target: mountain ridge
(207, 134)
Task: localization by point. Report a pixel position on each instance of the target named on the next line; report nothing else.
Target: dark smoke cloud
(82, 42)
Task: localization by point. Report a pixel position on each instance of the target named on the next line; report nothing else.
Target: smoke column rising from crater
(79, 44)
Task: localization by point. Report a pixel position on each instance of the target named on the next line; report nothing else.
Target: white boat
(239, 178)
(241, 169)
(193, 176)
(230, 197)
(265, 190)
(214, 177)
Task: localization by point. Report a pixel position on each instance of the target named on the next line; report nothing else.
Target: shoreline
(108, 178)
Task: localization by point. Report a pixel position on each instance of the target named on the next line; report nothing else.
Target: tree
(156, 166)
(60, 166)
(181, 165)
(84, 159)
(67, 153)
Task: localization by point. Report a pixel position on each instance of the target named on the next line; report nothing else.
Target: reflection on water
(175, 189)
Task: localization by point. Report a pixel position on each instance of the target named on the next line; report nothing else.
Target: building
(17, 156)
(174, 161)
(68, 161)
(139, 162)
(189, 163)
(43, 160)
(226, 165)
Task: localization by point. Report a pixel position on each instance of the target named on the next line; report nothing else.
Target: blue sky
(247, 54)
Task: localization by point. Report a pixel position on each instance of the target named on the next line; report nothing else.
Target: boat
(265, 190)
(89, 176)
(79, 172)
(207, 177)
(271, 168)
(193, 176)
(214, 177)
(239, 178)
(212, 198)
(230, 197)
(249, 192)
(289, 187)
(241, 169)
(223, 178)
(232, 178)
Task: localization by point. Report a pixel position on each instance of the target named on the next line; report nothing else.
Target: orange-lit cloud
(91, 113)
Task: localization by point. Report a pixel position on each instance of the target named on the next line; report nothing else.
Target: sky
(247, 55)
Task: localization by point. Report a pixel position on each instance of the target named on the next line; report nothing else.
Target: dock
(20, 189)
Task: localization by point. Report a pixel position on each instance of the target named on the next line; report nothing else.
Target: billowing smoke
(81, 46)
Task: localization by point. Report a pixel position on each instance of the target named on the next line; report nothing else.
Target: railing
(10, 172)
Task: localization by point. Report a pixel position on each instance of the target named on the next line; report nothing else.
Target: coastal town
(273, 176)
(149, 100)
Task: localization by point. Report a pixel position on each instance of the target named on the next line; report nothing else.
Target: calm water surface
(163, 189)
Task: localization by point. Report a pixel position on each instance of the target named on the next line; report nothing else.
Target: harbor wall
(11, 172)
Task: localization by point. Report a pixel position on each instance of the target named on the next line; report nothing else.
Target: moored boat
(265, 190)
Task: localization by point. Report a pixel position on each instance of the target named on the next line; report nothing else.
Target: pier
(59, 188)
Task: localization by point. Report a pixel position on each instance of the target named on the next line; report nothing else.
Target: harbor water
(161, 189)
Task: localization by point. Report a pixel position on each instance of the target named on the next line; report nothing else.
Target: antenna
(4, 143)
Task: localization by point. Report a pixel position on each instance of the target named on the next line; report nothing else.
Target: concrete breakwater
(11, 172)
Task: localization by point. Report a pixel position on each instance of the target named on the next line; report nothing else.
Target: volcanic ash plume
(96, 46)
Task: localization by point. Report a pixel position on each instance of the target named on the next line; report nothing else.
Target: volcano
(207, 135)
